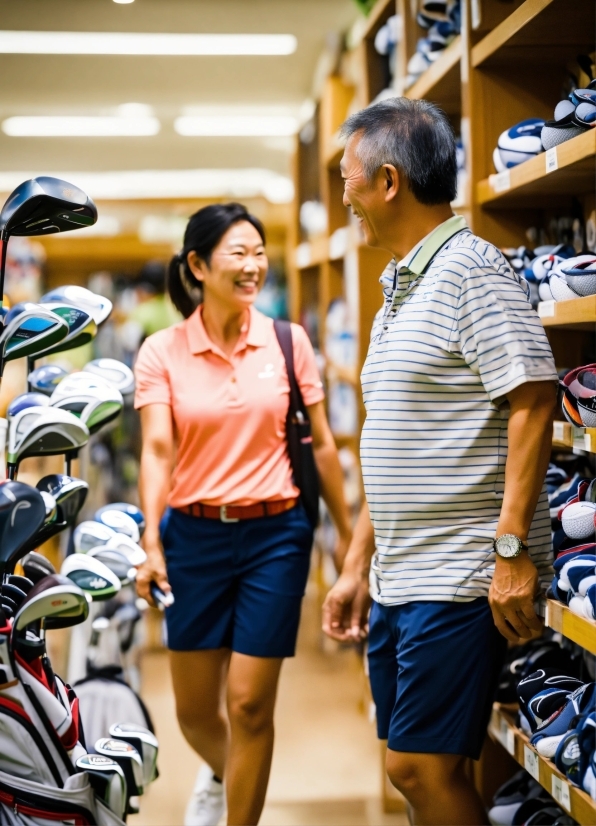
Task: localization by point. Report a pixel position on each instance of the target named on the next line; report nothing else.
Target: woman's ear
(196, 265)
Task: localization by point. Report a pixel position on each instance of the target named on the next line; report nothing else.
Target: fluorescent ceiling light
(170, 183)
(123, 2)
(38, 126)
(236, 125)
(145, 43)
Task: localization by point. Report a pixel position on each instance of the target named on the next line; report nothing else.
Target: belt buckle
(223, 514)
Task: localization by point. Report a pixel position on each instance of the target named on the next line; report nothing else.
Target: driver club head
(116, 562)
(51, 507)
(36, 566)
(91, 575)
(98, 307)
(130, 510)
(53, 597)
(45, 205)
(144, 741)
(118, 521)
(45, 379)
(43, 431)
(108, 781)
(30, 329)
(22, 514)
(95, 406)
(89, 535)
(128, 758)
(69, 494)
(81, 327)
(25, 400)
(118, 374)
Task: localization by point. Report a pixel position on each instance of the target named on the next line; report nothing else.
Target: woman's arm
(331, 478)
(157, 459)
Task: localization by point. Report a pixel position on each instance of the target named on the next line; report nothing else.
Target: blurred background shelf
(580, 630)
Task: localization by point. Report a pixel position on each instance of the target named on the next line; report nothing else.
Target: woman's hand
(153, 570)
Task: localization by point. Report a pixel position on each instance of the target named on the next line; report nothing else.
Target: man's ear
(390, 181)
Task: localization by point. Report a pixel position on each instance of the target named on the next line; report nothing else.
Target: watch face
(508, 546)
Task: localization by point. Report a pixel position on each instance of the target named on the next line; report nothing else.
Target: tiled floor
(326, 766)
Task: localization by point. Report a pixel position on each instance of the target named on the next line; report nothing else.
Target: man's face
(366, 198)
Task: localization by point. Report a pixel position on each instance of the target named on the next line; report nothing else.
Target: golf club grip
(162, 600)
(3, 437)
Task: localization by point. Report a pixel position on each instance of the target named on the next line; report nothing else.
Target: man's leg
(437, 788)
(252, 689)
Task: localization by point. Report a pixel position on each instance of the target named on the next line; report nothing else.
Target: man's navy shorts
(237, 585)
(434, 669)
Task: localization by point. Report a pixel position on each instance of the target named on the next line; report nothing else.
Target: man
(459, 387)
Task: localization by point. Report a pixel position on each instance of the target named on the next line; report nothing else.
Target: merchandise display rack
(508, 64)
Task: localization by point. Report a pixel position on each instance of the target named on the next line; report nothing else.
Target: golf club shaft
(30, 368)
(3, 438)
(3, 251)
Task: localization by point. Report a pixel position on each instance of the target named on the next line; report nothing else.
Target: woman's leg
(252, 689)
(199, 683)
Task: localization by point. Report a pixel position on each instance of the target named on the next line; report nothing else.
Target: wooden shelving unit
(576, 802)
(572, 313)
(578, 629)
(442, 80)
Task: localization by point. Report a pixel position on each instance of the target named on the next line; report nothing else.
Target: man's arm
(515, 582)
(345, 612)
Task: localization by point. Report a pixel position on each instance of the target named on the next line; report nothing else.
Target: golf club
(129, 760)
(81, 330)
(89, 535)
(43, 431)
(69, 495)
(22, 513)
(98, 307)
(118, 374)
(124, 544)
(116, 562)
(130, 510)
(21, 582)
(28, 329)
(45, 379)
(24, 401)
(53, 597)
(91, 575)
(95, 406)
(107, 779)
(36, 567)
(118, 521)
(144, 741)
(51, 509)
(161, 599)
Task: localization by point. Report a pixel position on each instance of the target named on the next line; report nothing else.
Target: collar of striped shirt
(399, 276)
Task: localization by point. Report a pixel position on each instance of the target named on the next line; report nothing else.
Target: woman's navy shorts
(237, 585)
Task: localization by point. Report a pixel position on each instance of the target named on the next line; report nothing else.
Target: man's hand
(345, 611)
(511, 598)
(341, 549)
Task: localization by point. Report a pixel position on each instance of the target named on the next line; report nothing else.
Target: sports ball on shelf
(579, 520)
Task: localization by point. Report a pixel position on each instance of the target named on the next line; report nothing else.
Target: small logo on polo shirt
(268, 372)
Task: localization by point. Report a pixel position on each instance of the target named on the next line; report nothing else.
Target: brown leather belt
(235, 513)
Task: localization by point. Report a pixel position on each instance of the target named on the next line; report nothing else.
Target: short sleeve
(305, 367)
(500, 336)
(152, 383)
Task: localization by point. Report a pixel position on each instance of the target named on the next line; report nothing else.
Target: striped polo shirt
(455, 334)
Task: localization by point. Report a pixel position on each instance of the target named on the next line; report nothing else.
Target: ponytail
(203, 233)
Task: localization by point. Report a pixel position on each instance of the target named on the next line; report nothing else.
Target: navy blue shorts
(237, 585)
(434, 669)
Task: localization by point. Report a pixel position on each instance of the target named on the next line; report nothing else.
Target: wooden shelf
(311, 253)
(334, 150)
(503, 730)
(528, 184)
(575, 312)
(442, 81)
(536, 25)
(380, 12)
(578, 629)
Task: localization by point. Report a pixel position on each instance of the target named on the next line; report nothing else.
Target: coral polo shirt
(229, 412)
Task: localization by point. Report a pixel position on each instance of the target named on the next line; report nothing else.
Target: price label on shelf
(560, 791)
(507, 737)
(551, 160)
(532, 763)
(546, 309)
(501, 182)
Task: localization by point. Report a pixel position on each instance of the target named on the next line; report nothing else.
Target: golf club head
(43, 431)
(118, 374)
(81, 327)
(44, 205)
(107, 780)
(144, 741)
(45, 379)
(51, 507)
(36, 567)
(24, 401)
(116, 562)
(129, 760)
(118, 521)
(69, 493)
(95, 406)
(30, 329)
(14, 593)
(91, 575)
(89, 535)
(21, 582)
(53, 597)
(98, 307)
(22, 514)
(130, 510)
(124, 544)
(8, 606)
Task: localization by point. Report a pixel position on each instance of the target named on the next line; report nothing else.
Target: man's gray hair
(416, 137)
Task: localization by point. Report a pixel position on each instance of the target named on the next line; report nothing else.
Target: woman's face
(237, 269)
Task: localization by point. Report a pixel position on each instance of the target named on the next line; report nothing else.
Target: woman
(213, 393)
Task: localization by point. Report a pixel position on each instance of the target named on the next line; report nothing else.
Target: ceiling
(88, 85)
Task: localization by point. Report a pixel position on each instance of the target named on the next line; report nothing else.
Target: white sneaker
(207, 803)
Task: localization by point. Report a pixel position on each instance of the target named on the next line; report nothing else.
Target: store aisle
(326, 761)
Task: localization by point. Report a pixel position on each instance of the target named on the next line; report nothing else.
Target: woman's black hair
(203, 233)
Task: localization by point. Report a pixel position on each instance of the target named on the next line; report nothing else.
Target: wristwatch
(509, 546)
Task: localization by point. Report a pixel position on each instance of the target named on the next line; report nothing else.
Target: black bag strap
(283, 331)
